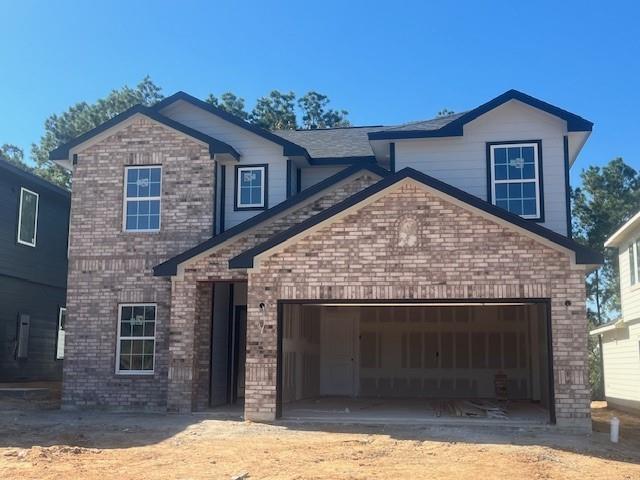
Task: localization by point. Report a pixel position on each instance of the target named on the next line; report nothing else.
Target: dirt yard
(58, 445)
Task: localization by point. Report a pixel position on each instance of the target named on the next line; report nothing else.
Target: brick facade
(108, 267)
(458, 254)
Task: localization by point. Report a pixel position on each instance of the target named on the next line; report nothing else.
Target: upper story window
(634, 262)
(28, 217)
(251, 187)
(143, 186)
(515, 178)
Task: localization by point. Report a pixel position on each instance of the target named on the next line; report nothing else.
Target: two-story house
(213, 262)
(34, 223)
(620, 340)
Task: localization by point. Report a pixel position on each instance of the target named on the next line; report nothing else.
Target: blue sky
(385, 62)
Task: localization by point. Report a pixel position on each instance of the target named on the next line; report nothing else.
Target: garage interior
(406, 362)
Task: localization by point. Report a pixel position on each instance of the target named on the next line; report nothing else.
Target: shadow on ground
(103, 430)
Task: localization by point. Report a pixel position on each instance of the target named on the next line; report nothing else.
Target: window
(28, 217)
(634, 262)
(515, 178)
(136, 339)
(251, 185)
(142, 199)
(62, 318)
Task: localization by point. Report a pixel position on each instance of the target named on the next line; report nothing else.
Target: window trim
(537, 144)
(125, 198)
(58, 331)
(265, 187)
(35, 227)
(118, 338)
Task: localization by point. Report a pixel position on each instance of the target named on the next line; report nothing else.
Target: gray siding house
(304, 273)
(34, 223)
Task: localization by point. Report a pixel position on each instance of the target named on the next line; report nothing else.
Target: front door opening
(228, 344)
(410, 361)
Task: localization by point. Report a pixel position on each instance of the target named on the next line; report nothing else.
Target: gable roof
(621, 233)
(290, 148)
(452, 125)
(34, 179)
(215, 145)
(170, 267)
(583, 254)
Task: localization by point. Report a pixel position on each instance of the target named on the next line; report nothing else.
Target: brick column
(182, 362)
(262, 349)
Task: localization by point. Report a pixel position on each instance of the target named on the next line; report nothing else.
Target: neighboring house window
(251, 187)
(634, 262)
(136, 338)
(62, 319)
(28, 217)
(142, 199)
(515, 178)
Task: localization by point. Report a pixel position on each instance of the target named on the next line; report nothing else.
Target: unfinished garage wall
(447, 352)
(301, 352)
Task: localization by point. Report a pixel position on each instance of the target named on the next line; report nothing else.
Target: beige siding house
(620, 340)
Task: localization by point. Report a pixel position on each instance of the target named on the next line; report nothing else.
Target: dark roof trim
(170, 267)
(215, 146)
(584, 255)
(34, 179)
(575, 123)
(290, 148)
(356, 160)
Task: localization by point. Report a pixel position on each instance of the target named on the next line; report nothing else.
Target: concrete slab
(406, 412)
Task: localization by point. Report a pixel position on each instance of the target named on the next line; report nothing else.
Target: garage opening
(386, 362)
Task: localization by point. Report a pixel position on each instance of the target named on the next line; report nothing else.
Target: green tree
(315, 113)
(445, 112)
(607, 198)
(80, 118)
(275, 112)
(14, 155)
(230, 103)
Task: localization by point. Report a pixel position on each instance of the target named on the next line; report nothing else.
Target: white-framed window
(515, 178)
(135, 349)
(28, 217)
(251, 182)
(62, 320)
(142, 198)
(634, 262)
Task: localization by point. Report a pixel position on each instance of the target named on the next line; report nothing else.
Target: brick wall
(188, 374)
(457, 254)
(108, 266)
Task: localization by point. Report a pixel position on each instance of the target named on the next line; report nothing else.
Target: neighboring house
(34, 224)
(620, 340)
(213, 262)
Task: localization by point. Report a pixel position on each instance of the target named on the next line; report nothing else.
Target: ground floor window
(136, 338)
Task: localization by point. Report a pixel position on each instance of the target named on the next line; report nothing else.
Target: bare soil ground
(58, 445)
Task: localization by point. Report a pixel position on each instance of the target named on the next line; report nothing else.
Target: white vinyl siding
(462, 161)
(630, 293)
(621, 349)
(253, 150)
(28, 217)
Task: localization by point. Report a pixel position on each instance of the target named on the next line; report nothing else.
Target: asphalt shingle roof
(332, 142)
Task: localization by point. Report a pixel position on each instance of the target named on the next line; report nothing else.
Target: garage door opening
(405, 362)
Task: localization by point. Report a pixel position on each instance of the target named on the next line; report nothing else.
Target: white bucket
(615, 429)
